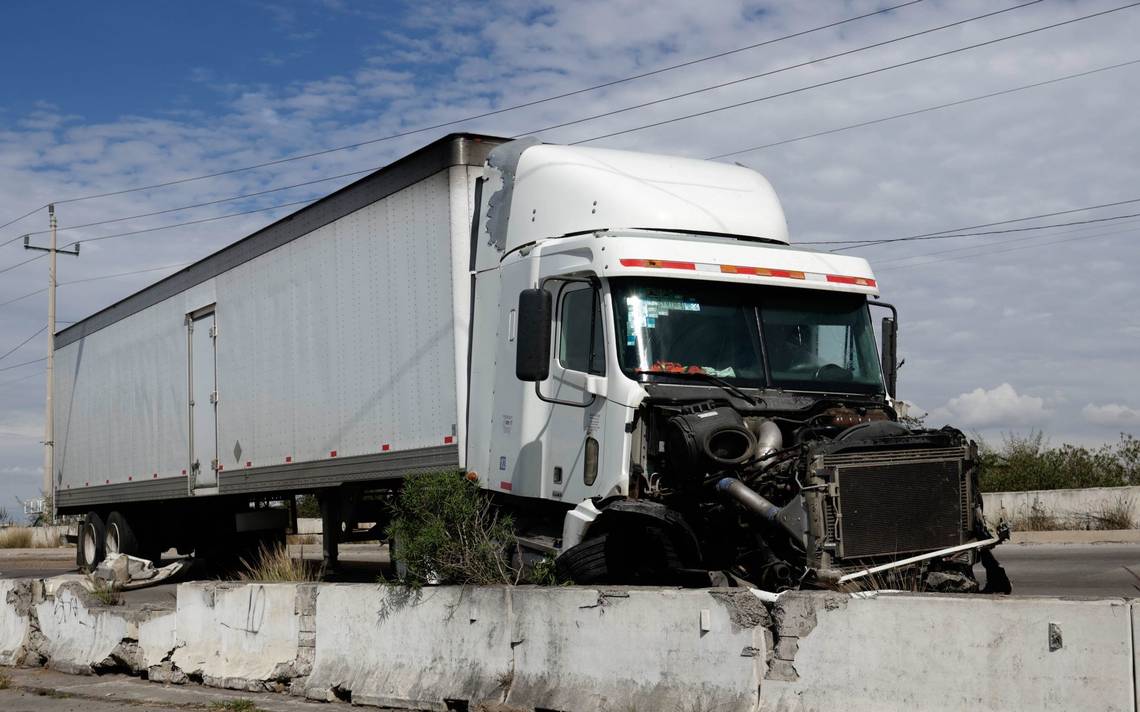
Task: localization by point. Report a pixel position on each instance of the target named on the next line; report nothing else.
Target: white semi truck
(623, 348)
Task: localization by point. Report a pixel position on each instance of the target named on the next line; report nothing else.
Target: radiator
(896, 502)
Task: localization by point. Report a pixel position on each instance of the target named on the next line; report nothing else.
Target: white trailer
(624, 347)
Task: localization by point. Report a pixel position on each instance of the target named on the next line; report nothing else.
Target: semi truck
(623, 349)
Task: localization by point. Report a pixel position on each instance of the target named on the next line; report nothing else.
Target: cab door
(575, 393)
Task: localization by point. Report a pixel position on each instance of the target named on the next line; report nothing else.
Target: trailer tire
(120, 537)
(89, 551)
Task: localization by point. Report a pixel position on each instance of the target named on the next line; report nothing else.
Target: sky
(1004, 332)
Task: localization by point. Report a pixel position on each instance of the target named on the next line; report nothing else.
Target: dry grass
(273, 564)
(1112, 516)
(313, 539)
(15, 538)
(241, 704)
(5, 680)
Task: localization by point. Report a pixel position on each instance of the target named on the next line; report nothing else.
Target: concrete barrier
(587, 649)
(15, 603)
(637, 649)
(1062, 503)
(929, 652)
(396, 647)
(244, 636)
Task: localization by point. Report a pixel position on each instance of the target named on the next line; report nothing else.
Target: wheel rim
(89, 544)
(112, 539)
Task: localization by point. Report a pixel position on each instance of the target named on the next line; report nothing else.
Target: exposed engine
(789, 499)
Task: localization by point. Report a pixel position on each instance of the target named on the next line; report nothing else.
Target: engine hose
(748, 497)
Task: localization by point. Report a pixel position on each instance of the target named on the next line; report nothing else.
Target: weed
(274, 564)
(1037, 519)
(5, 680)
(105, 591)
(1117, 515)
(447, 531)
(241, 704)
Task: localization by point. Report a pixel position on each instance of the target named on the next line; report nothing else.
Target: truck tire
(89, 551)
(120, 537)
(585, 563)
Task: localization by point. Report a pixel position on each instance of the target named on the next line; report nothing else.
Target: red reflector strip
(155, 476)
(332, 453)
(762, 272)
(184, 472)
(248, 463)
(447, 440)
(662, 264)
(130, 478)
(505, 485)
(385, 448)
(288, 459)
(750, 270)
(844, 279)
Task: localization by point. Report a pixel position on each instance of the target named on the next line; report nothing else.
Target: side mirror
(890, 354)
(532, 358)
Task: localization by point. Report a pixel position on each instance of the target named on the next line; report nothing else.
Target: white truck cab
(650, 353)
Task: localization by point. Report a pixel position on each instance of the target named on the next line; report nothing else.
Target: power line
(25, 363)
(904, 258)
(344, 175)
(474, 117)
(785, 68)
(16, 348)
(192, 222)
(1010, 221)
(849, 77)
(852, 244)
(985, 253)
(906, 114)
(94, 279)
(205, 204)
(21, 378)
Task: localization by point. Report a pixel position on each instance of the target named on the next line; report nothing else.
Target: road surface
(1097, 570)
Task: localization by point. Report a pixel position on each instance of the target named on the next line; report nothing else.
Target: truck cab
(680, 391)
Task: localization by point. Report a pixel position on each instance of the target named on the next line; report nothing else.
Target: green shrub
(1027, 462)
(446, 530)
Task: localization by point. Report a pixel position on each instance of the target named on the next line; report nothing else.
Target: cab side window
(580, 341)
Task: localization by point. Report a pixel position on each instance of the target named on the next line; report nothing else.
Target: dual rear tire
(99, 539)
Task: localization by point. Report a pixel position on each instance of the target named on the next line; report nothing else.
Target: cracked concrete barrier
(420, 649)
(928, 652)
(241, 636)
(15, 624)
(637, 649)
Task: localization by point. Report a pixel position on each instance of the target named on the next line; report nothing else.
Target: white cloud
(1000, 407)
(1111, 415)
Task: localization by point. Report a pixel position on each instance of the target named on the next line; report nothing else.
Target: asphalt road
(1095, 570)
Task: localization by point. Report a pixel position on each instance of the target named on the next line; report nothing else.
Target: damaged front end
(833, 495)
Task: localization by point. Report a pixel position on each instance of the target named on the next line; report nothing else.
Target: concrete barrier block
(396, 647)
(637, 649)
(80, 635)
(15, 623)
(239, 636)
(158, 639)
(926, 652)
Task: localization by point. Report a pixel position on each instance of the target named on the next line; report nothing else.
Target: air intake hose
(755, 503)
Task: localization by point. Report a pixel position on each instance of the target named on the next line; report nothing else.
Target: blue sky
(1001, 333)
(104, 60)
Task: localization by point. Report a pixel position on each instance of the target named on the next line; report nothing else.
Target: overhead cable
(849, 77)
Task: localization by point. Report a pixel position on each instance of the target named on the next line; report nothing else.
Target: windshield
(748, 335)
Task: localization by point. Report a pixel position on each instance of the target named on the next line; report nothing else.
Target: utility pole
(49, 418)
